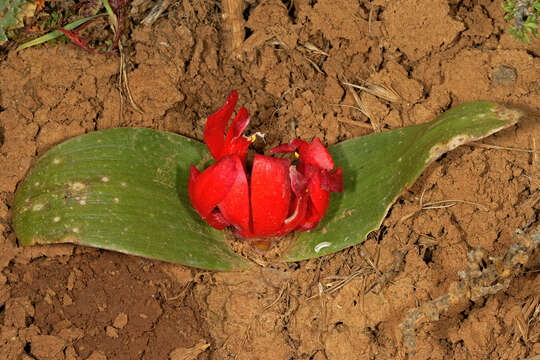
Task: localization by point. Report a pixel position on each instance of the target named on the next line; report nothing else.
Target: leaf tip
(510, 115)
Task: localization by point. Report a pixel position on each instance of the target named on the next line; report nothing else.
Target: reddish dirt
(68, 302)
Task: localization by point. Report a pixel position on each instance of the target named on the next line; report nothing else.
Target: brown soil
(68, 302)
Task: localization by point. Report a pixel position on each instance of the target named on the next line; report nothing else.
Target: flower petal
(235, 206)
(318, 199)
(316, 154)
(299, 204)
(210, 187)
(235, 142)
(288, 148)
(332, 181)
(270, 194)
(214, 131)
(216, 220)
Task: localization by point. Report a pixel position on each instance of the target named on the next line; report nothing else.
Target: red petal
(214, 131)
(319, 197)
(316, 154)
(297, 218)
(270, 194)
(318, 201)
(235, 142)
(288, 148)
(235, 206)
(238, 125)
(333, 181)
(216, 220)
(210, 187)
(298, 181)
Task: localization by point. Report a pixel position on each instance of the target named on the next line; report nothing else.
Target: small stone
(70, 353)
(181, 353)
(504, 75)
(66, 301)
(16, 312)
(120, 321)
(71, 334)
(48, 299)
(111, 332)
(46, 347)
(70, 281)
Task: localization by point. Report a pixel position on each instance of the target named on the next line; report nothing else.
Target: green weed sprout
(526, 15)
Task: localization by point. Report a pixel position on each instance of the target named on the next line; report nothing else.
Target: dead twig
(361, 107)
(381, 91)
(156, 12)
(476, 281)
(233, 24)
(442, 204)
(497, 147)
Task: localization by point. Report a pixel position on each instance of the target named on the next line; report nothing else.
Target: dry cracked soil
(71, 302)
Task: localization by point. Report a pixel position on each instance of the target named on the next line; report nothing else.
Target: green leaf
(125, 190)
(8, 11)
(377, 168)
(56, 33)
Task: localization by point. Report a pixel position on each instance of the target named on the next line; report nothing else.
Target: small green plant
(10, 15)
(526, 15)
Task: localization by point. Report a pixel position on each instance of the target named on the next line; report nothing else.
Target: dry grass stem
(535, 152)
(356, 123)
(122, 79)
(314, 64)
(156, 12)
(381, 91)
(477, 281)
(497, 147)
(435, 204)
(442, 204)
(280, 295)
(528, 318)
(362, 108)
(315, 49)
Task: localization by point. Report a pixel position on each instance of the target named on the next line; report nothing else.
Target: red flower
(272, 199)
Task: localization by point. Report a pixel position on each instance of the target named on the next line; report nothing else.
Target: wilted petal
(318, 199)
(316, 154)
(235, 206)
(214, 131)
(299, 204)
(209, 188)
(270, 194)
(238, 125)
(235, 142)
(216, 220)
(332, 181)
(289, 148)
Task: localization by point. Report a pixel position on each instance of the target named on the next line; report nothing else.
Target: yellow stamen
(296, 155)
(252, 138)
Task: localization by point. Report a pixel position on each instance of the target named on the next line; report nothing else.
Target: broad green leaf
(378, 167)
(125, 190)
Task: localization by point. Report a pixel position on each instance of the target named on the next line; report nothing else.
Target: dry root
(476, 281)
(233, 24)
